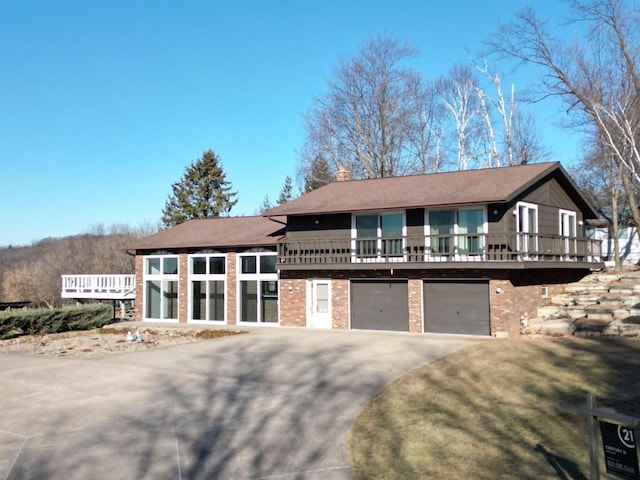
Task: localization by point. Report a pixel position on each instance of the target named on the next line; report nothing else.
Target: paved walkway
(273, 404)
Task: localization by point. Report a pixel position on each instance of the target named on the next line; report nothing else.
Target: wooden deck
(99, 287)
(484, 250)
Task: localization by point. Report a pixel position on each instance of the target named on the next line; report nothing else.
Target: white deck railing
(110, 287)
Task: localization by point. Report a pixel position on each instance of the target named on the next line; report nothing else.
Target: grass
(496, 410)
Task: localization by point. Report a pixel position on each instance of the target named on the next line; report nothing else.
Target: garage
(380, 305)
(457, 306)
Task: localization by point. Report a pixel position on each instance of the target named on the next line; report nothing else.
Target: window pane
(442, 222)
(367, 226)
(249, 264)
(170, 266)
(269, 290)
(199, 266)
(153, 299)
(391, 225)
(216, 266)
(322, 298)
(198, 300)
(153, 266)
(470, 221)
(170, 300)
(268, 264)
(216, 300)
(249, 300)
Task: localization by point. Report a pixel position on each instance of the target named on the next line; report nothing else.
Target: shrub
(42, 321)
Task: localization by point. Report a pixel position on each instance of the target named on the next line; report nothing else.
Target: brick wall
(340, 303)
(293, 301)
(415, 305)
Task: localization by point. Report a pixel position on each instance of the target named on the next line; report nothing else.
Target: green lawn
(499, 409)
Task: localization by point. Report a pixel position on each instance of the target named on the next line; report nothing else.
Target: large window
(379, 235)
(161, 287)
(457, 231)
(207, 283)
(258, 287)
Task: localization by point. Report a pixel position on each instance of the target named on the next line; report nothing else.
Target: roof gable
(490, 185)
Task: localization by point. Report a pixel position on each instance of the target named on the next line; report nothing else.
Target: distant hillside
(33, 272)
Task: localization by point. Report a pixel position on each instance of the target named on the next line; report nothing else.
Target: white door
(319, 303)
(568, 232)
(527, 224)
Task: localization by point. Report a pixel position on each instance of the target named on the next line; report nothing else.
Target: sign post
(618, 442)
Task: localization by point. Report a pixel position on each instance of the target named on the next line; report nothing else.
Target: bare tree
(459, 93)
(364, 122)
(598, 78)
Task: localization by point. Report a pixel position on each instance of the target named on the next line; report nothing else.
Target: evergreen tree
(266, 204)
(286, 194)
(202, 192)
(318, 175)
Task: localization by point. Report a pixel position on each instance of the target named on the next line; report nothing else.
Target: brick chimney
(343, 175)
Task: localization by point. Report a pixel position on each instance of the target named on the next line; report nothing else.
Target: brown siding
(547, 220)
(306, 228)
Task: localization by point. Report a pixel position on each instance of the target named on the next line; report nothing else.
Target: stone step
(600, 278)
(627, 300)
(624, 287)
(587, 288)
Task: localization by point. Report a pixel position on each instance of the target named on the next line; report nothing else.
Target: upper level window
(379, 235)
(456, 231)
(161, 287)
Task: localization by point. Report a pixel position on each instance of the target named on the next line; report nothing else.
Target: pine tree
(319, 174)
(202, 192)
(286, 194)
(266, 204)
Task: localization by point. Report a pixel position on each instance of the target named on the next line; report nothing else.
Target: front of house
(471, 252)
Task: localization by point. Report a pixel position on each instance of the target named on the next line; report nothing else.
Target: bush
(42, 321)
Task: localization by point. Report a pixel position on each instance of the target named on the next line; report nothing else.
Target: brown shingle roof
(451, 188)
(217, 232)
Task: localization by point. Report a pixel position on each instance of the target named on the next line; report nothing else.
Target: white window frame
(207, 277)
(568, 241)
(379, 257)
(257, 277)
(160, 277)
(522, 239)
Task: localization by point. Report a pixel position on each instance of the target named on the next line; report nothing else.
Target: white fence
(98, 287)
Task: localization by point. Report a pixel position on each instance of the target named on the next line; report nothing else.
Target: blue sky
(103, 103)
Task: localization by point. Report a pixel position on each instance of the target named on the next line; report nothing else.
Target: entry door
(319, 304)
(568, 232)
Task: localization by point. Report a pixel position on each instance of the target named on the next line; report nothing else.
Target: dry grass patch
(496, 410)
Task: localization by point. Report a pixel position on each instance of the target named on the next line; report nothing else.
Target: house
(628, 241)
(470, 252)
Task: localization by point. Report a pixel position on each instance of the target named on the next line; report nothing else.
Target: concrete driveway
(273, 404)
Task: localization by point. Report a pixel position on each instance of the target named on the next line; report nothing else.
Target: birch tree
(597, 77)
(459, 93)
